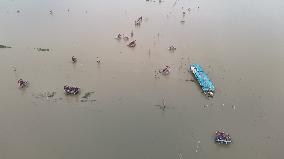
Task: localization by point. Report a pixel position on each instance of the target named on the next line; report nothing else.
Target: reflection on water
(132, 111)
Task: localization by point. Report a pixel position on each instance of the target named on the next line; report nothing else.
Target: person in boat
(137, 23)
(166, 69)
(131, 34)
(74, 59)
(118, 37)
(22, 83)
(98, 60)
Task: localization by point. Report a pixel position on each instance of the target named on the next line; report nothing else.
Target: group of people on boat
(71, 90)
(222, 137)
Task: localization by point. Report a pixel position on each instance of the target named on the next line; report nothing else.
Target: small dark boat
(71, 90)
(132, 43)
(222, 137)
(165, 71)
(138, 21)
(22, 83)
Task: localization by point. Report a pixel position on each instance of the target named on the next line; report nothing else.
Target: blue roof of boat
(203, 79)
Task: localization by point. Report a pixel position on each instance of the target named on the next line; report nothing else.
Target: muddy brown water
(238, 43)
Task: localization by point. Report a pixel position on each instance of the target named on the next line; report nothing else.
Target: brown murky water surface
(238, 43)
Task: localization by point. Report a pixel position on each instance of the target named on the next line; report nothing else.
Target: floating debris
(87, 96)
(197, 146)
(3, 46)
(14, 68)
(191, 80)
(46, 95)
(180, 156)
(50, 96)
(131, 34)
(163, 106)
(51, 12)
(156, 74)
(234, 107)
(160, 1)
(182, 21)
(125, 38)
(164, 103)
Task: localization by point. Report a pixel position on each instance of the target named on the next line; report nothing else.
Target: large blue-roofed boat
(203, 80)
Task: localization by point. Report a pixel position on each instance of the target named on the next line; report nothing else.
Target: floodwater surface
(239, 44)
